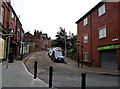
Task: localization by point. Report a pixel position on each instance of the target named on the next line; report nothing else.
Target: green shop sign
(108, 47)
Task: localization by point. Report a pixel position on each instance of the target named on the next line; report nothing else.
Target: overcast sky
(48, 15)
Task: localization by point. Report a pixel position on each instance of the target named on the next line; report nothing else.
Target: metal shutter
(108, 59)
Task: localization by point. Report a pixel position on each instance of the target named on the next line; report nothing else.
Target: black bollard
(50, 76)
(83, 84)
(35, 69)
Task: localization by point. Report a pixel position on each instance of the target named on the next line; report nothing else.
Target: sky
(49, 15)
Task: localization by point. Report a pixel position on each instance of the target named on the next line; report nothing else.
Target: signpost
(10, 34)
(78, 44)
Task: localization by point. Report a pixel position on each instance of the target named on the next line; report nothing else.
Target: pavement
(16, 75)
(92, 69)
(0, 75)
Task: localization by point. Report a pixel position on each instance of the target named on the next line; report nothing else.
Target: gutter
(91, 35)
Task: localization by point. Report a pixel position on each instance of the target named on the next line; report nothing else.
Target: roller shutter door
(108, 59)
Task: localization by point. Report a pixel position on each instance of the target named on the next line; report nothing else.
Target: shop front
(109, 56)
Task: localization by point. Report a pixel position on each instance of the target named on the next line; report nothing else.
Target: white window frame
(85, 21)
(13, 16)
(85, 56)
(102, 32)
(2, 14)
(85, 38)
(101, 10)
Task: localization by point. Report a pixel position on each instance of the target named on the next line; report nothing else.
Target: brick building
(38, 41)
(99, 35)
(10, 24)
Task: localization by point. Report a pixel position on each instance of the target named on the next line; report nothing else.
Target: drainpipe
(91, 35)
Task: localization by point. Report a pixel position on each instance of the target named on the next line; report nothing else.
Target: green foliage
(72, 53)
(70, 43)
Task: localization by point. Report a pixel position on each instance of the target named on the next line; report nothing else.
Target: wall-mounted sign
(107, 47)
(11, 26)
(115, 39)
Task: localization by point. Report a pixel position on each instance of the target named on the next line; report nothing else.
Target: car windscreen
(58, 53)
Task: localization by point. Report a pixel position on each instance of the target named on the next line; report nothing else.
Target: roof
(89, 12)
(28, 33)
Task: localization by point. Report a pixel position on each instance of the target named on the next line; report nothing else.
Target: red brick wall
(12, 21)
(5, 5)
(110, 19)
(83, 30)
(118, 51)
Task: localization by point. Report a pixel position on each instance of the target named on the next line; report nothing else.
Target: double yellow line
(3, 29)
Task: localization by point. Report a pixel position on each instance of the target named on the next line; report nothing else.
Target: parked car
(50, 52)
(47, 49)
(57, 56)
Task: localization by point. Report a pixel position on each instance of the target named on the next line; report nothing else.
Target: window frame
(85, 40)
(85, 21)
(101, 10)
(103, 33)
(85, 57)
(2, 14)
(13, 16)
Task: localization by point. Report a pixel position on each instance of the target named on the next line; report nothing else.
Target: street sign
(78, 43)
(11, 26)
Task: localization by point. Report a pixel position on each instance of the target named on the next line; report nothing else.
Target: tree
(70, 42)
(60, 38)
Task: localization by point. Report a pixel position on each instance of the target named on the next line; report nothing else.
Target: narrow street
(65, 75)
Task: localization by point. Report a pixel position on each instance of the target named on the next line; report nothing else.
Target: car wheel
(63, 61)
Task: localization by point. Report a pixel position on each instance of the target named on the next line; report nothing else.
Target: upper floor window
(2, 14)
(101, 10)
(85, 38)
(13, 16)
(102, 32)
(18, 34)
(85, 21)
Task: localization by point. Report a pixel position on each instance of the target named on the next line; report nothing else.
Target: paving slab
(93, 69)
(17, 76)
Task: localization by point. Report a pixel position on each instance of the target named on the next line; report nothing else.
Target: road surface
(65, 75)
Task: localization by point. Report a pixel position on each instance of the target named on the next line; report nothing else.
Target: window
(101, 10)
(85, 21)
(85, 38)
(102, 32)
(18, 35)
(13, 16)
(2, 13)
(85, 56)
